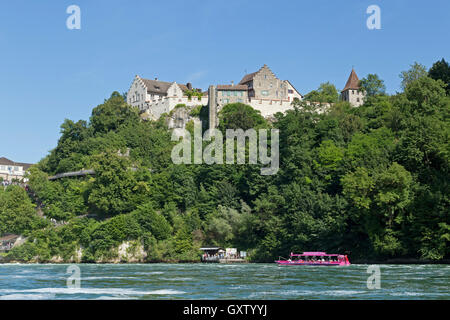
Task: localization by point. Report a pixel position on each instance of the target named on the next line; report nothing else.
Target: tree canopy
(326, 92)
(371, 182)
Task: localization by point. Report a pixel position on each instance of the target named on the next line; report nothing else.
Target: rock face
(127, 252)
(131, 251)
(179, 117)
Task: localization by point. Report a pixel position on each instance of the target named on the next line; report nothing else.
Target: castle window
(265, 93)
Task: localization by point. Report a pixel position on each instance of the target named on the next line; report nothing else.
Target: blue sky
(49, 73)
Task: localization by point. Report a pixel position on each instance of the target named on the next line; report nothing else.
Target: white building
(155, 97)
(352, 91)
(10, 170)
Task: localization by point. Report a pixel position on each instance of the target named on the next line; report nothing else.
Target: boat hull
(294, 263)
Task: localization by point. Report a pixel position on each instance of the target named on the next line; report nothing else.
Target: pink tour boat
(315, 259)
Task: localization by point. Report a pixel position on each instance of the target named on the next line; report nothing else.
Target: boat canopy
(313, 254)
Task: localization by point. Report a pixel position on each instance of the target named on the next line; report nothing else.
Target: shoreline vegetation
(372, 182)
(394, 261)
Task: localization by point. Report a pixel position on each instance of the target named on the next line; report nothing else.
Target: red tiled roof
(248, 77)
(352, 82)
(239, 87)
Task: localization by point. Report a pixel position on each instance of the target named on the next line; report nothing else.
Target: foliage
(441, 71)
(326, 92)
(240, 116)
(371, 182)
(415, 72)
(17, 213)
(372, 85)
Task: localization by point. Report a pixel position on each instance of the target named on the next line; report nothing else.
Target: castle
(262, 90)
(352, 92)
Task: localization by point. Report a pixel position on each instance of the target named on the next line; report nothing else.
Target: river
(219, 281)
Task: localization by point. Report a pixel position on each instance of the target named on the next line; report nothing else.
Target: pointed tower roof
(352, 82)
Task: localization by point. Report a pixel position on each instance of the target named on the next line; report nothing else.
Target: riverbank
(221, 281)
(4, 260)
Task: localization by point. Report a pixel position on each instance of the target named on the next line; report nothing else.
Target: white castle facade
(262, 90)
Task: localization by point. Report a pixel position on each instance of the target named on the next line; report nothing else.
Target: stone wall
(266, 85)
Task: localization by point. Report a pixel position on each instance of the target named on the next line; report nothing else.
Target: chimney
(189, 85)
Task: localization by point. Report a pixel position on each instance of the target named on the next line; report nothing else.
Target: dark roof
(238, 87)
(248, 77)
(9, 237)
(6, 162)
(160, 87)
(352, 82)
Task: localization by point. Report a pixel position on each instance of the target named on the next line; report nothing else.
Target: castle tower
(351, 92)
(212, 106)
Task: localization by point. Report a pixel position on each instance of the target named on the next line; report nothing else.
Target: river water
(219, 281)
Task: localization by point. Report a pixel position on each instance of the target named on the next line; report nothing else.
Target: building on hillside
(231, 94)
(156, 97)
(8, 241)
(263, 84)
(262, 90)
(352, 92)
(10, 170)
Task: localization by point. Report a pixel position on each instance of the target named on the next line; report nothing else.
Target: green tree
(326, 92)
(240, 116)
(112, 114)
(152, 222)
(372, 85)
(441, 71)
(17, 213)
(112, 188)
(415, 72)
